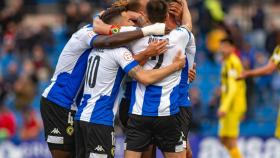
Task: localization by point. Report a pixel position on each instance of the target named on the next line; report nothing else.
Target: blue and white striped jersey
(161, 98)
(70, 69)
(184, 99)
(105, 71)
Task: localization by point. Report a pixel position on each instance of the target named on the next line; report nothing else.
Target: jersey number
(92, 71)
(160, 60)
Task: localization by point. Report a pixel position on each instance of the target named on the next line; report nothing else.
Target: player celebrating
(174, 10)
(105, 70)
(61, 96)
(233, 99)
(269, 68)
(154, 108)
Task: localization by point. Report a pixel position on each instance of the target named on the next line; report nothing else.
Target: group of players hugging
(135, 60)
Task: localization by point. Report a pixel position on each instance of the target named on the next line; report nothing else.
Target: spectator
(31, 125)
(7, 118)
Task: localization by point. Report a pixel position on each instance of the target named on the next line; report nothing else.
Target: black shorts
(123, 111)
(164, 131)
(185, 118)
(58, 125)
(94, 140)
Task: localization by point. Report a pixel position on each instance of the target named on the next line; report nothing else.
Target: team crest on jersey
(70, 130)
(91, 34)
(128, 56)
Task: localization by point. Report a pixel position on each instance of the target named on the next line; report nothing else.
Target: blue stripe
(103, 109)
(81, 107)
(89, 26)
(93, 39)
(130, 66)
(151, 100)
(174, 96)
(184, 87)
(67, 85)
(133, 96)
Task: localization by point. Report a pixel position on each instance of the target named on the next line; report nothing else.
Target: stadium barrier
(203, 147)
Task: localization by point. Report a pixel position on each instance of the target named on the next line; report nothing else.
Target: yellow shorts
(277, 131)
(229, 125)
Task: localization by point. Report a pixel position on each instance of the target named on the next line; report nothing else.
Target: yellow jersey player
(269, 68)
(233, 99)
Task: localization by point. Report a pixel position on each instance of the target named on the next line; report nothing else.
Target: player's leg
(228, 133)
(59, 130)
(132, 154)
(185, 118)
(100, 140)
(188, 150)
(150, 153)
(233, 148)
(277, 131)
(60, 153)
(80, 137)
(138, 136)
(168, 136)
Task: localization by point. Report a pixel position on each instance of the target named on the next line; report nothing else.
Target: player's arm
(119, 39)
(186, 18)
(147, 77)
(190, 53)
(154, 49)
(192, 73)
(268, 69)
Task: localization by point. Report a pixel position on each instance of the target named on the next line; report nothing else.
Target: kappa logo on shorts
(99, 148)
(55, 131)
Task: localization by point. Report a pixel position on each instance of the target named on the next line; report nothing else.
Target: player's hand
(156, 48)
(180, 59)
(192, 73)
(243, 75)
(221, 114)
(176, 9)
(100, 27)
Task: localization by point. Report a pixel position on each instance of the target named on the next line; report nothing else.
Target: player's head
(227, 47)
(157, 11)
(138, 5)
(171, 21)
(116, 16)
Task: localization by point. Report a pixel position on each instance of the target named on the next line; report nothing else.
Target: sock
(235, 153)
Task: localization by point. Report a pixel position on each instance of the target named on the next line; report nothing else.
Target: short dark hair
(134, 5)
(157, 11)
(169, 1)
(112, 13)
(228, 40)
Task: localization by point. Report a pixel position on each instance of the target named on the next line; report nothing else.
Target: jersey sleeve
(125, 59)
(128, 28)
(87, 36)
(276, 56)
(191, 51)
(181, 36)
